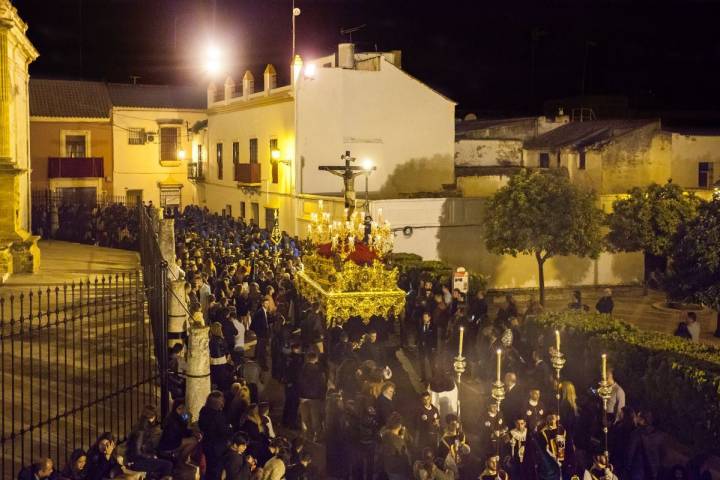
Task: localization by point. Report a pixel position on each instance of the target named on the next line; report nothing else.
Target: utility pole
(295, 13)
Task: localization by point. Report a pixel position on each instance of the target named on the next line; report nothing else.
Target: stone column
(197, 385)
(19, 252)
(177, 311)
(166, 239)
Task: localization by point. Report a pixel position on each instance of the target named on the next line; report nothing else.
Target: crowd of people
(366, 399)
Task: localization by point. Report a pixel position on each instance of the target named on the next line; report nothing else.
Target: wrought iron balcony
(196, 172)
(75, 167)
(247, 173)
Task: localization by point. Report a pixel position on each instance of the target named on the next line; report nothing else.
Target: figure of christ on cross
(348, 173)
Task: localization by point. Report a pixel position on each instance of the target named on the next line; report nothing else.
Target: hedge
(676, 379)
(415, 268)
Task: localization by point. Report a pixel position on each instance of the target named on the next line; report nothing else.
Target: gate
(76, 361)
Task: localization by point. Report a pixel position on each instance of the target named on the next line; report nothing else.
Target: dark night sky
(664, 56)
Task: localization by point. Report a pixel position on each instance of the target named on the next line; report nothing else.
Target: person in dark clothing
(576, 302)
(102, 461)
(605, 304)
(140, 453)
(220, 371)
(384, 405)
(216, 433)
(426, 423)
(364, 436)
(39, 470)
(291, 378)
(177, 437)
(76, 468)
(427, 342)
(372, 349)
(394, 454)
(312, 385)
(235, 464)
(301, 470)
(645, 450)
(261, 326)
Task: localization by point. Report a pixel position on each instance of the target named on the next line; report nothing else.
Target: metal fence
(76, 360)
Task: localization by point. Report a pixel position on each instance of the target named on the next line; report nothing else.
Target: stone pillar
(166, 239)
(177, 311)
(197, 384)
(19, 252)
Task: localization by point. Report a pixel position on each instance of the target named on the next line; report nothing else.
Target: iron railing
(75, 361)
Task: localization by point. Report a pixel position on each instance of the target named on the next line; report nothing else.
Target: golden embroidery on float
(346, 272)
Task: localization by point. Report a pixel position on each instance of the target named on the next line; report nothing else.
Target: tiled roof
(157, 96)
(68, 98)
(580, 134)
(85, 99)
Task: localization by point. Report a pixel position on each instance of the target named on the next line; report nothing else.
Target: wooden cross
(348, 173)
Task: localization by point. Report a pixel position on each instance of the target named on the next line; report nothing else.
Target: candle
(604, 367)
(499, 362)
(320, 204)
(557, 340)
(462, 332)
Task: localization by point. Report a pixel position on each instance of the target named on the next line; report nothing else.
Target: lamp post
(368, 166)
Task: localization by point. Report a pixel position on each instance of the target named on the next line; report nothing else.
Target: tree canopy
(649, 218)
(695, 268)
(544, 215)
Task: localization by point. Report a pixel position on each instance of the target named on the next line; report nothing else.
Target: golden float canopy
(343, 288)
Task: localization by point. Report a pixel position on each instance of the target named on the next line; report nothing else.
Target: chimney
(212, 89)
(229, 89)
(269, 78)
(346, 55)
(248, 84)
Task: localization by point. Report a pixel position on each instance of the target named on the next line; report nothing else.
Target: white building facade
(265, 145)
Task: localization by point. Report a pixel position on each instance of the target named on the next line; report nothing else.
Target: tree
(544, 215)
(694, 273)
(648, 220)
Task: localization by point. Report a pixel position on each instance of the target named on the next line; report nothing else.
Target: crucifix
(348, 173)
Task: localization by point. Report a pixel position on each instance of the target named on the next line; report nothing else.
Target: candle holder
(558, 362)
(498, 392)
(605, 392)
(459, 367)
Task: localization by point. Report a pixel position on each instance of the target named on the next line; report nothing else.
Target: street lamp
(181, 154)
(368, 166)
(213, 60)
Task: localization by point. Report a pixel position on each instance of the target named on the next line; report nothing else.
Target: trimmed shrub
(678, 380)
(416, 269)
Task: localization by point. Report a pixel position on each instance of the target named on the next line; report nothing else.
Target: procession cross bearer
(348, 173)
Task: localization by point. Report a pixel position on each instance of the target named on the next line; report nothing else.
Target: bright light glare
(181, 154)
(275, 154)
(310, 70)
(367, 164)
(213, 59)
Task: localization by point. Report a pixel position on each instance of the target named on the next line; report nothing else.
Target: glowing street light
(213, 60)
(181, 154)
(275, 154)
(310, 70)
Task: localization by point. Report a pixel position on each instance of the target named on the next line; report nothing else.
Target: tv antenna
(351, 30)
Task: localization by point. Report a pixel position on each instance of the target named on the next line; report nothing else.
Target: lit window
(75, 146)
(220, 160)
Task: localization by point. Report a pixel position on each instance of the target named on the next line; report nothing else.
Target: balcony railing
(75, 167)
(247, 173)
(196, 172)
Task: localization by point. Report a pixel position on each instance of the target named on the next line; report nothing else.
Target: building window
(255, 213)
(544, 160)
(705, 174)
(75, 146)
(581, 160)
(168, 144)
(228, 210)
(274, 164)
(136, 136)
(242, 209)
(199, 153)
(236, 159)
(253, 150)
(220, 161)
(270, 218)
